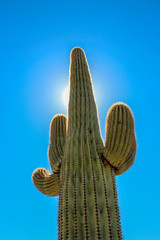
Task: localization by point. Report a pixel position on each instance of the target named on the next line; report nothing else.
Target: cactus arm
(57, 141)
(45, 182)
(120, 143)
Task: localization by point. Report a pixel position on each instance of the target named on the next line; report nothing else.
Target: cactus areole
(83, 167)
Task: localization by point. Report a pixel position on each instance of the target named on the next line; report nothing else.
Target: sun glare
(65, 96)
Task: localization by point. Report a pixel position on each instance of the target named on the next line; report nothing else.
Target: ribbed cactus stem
(88, 199)
(83, 168)
(82, 110)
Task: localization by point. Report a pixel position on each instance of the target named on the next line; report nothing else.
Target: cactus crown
(83, 168)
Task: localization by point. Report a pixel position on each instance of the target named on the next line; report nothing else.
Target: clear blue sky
(122, 43)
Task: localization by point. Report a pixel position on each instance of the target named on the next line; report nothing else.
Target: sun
(65, 96)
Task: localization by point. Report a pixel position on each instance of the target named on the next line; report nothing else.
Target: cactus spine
(83, 168)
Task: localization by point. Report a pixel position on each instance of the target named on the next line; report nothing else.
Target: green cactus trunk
(83, 168)
(88, 207)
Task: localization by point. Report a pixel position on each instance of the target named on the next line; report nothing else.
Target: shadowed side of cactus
(83, 168)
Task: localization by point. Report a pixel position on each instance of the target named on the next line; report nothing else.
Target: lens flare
(65, 96)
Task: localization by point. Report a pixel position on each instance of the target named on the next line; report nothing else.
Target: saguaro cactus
(83, 168)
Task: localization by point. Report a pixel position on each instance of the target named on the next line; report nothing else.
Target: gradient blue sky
(122, 43)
